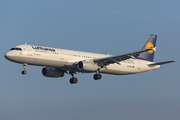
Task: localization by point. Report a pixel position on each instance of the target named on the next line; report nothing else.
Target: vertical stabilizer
(151, 43)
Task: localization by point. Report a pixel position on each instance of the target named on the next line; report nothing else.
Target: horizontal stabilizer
(161, 63)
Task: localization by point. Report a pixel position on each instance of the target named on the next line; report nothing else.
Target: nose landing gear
(24, 66)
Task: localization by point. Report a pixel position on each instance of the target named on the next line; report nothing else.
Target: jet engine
(87, 66)
(52, 72)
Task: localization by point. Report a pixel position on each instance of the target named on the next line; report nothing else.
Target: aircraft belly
(46, 62)
(123, 69)
(39, 61)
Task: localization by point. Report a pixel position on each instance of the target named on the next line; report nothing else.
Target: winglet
(154, 49)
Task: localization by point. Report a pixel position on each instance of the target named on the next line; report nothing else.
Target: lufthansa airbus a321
(57, 62)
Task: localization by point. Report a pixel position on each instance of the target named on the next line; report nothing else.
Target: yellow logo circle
(148, 46)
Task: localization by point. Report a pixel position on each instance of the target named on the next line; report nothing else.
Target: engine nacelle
(52, 72)
(87, 66)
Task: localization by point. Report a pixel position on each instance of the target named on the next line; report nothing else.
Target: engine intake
(52, 72)
(87, 66)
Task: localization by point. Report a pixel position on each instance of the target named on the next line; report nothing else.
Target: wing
(116, 59)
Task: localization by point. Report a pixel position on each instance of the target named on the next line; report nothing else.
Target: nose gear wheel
(24, 66)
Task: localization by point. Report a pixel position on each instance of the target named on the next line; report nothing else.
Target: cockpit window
(19, 49)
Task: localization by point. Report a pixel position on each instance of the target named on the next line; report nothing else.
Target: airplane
(57, 62)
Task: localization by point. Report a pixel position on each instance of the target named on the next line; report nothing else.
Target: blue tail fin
(151, 43)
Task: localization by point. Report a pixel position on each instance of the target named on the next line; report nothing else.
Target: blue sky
(103, 26)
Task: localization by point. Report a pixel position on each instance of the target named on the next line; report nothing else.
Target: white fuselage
(66, 59)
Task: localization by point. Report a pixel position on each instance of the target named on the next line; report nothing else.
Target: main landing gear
(73, 80)
(97, 76)
(24, 66)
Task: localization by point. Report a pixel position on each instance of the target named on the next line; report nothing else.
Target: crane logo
(148, 46)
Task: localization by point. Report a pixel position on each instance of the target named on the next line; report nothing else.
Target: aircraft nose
(8, 55)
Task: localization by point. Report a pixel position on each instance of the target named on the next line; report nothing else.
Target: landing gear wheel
(73, 80)
(24, 66)
(24, 72)
(97, 76)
